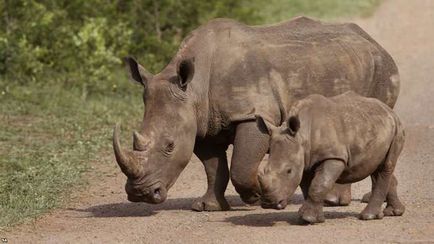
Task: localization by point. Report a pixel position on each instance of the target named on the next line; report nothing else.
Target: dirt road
(102, 214)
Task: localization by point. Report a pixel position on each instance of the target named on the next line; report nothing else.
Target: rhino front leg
(305, 183)
(250, 147)
(215, 162)
(322, 183)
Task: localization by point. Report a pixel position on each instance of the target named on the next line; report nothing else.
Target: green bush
(79, 43)
(324, 9)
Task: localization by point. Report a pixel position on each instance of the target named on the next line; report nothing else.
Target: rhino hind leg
(366, 197)
(340, 195)
(394, 205)
(384, 184)
(215, 162)
(380, 185)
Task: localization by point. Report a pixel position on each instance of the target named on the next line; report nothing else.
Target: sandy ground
(103, 215)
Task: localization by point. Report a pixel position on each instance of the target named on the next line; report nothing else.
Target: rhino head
(165, 143)
(282, 173)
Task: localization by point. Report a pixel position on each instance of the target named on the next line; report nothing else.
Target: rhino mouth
(279, 205)
(155, 194)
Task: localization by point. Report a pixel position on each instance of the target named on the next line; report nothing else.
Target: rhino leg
(322, 183)
(250, 147)
(215, 162)
(366, 197)
(394, 205)
(380, 186)
(384, 184)
(305, 183)
(340, 195)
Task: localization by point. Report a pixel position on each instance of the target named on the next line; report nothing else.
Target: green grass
(50, 133)
(49, 136)
(279, 10)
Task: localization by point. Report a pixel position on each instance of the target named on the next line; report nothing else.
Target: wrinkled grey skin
(204, 99)
(342, 139)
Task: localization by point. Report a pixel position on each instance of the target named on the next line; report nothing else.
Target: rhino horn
(125, 159)
(139, 142)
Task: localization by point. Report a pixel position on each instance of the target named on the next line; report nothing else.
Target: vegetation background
(62, 85)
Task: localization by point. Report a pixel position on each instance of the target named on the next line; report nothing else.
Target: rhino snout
(154, 194)
(279, 205)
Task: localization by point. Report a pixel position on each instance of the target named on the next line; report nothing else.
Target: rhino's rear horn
(139, 142)
(126, 161)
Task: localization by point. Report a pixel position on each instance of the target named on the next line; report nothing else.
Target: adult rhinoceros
(223, 71)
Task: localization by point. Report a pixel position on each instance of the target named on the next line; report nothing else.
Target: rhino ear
(138, 73)
(185, 72)
(293, 125)
(265, 125)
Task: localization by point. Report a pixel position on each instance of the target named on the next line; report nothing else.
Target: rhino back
(267, 68)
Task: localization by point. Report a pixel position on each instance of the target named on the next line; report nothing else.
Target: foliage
(49, 136)
(79, 43)
(317, 8)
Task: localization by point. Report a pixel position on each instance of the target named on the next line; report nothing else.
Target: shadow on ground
(129, 209)
(269, 219)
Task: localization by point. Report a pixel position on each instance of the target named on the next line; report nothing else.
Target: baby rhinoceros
(341, 139)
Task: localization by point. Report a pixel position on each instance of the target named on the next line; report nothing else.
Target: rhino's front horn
(125, 159)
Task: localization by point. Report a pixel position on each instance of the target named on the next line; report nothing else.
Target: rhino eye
(289, 171)
(170, 146)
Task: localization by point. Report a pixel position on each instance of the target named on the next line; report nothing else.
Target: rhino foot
(394, 210)
(369, 214)
(210, 204)
(311, 214)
